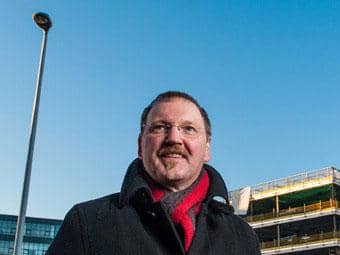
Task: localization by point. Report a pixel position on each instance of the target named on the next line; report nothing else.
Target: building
(296, 215)
(39, 233)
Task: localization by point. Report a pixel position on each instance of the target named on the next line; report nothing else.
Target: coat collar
(134, 184)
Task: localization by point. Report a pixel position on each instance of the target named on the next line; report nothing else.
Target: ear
(207, 152)
(140, 146)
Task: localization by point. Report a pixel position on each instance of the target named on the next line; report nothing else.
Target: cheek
(150, 146)
(201, 150)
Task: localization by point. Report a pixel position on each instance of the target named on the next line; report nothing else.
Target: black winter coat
(130, 223)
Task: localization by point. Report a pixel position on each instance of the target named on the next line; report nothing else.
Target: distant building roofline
(31, 219)
(305, 179)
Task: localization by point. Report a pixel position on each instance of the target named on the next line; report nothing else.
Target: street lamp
(44, 22)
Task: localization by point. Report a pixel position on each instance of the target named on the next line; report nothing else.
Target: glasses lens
(189, 131)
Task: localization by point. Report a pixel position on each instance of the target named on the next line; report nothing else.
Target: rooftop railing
(296, 179)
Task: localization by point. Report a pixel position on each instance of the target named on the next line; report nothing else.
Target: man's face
(174, 144)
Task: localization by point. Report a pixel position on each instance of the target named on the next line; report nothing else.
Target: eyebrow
(186, 122)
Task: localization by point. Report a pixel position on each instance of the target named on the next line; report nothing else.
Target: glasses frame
(165, 128)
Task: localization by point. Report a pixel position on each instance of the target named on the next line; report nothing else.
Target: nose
(173, 135)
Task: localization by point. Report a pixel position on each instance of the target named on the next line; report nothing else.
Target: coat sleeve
(248, 241)
(256, 242)
(70, 237)
(251, 240)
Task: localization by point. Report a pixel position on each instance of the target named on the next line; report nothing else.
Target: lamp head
(42, 20)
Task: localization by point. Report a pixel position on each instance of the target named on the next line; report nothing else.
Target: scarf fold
(184, 206)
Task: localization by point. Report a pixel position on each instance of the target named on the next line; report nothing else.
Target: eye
(158, 128)
(189, 129)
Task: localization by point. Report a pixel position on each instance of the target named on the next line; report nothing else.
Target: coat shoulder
(96, 208)
(105, 201)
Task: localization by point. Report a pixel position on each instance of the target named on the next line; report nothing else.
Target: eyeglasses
(185, 130)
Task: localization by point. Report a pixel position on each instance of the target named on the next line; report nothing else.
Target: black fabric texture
(130, 222)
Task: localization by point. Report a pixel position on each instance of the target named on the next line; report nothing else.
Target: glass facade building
(39, 233)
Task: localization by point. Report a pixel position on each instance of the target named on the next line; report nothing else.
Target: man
(170, 203)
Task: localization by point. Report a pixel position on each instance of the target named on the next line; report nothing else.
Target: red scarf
(192, 202)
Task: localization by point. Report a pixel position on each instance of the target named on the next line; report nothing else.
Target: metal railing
(294, 179)
(298, 240)
(321, 205)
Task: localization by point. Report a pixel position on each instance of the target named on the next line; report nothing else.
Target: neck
(178, 186)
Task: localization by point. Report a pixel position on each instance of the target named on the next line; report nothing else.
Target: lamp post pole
(44, 22)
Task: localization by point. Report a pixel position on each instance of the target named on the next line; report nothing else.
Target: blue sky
(267, 72)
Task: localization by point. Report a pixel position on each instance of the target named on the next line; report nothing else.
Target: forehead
(175, 110)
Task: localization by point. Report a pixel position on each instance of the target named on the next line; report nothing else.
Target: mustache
(172, 149)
